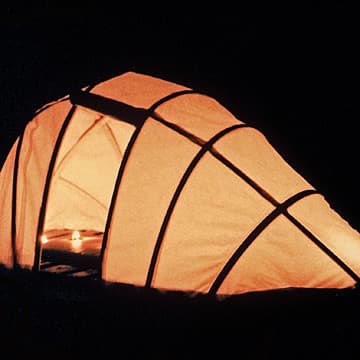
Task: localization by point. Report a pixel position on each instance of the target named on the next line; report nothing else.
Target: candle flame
(75, 235)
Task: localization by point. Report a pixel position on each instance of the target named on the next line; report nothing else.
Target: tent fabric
(186, 196)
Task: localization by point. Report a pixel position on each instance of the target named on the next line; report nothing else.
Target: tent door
(71, 252)
(80, 193)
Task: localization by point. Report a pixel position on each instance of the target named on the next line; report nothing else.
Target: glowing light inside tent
(44, 239)
(75, 235)
(76, 242)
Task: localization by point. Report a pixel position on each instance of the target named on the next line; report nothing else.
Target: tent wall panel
(6, 191)
(39, 139)
(153, 171)
(191, 112)
(250, 151)
(214, 200)
(136, 89)
(299, 263)
(317, 216)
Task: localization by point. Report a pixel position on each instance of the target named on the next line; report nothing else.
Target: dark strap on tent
(103, 105)
(42, 213)
(14, 202)
(205, 147)
(140, 123)
(281, 209)
(117, 109)
(14, 187)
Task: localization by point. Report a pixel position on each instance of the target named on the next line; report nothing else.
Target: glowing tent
(171, 191)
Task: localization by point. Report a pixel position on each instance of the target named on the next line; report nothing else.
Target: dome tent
(175, 192)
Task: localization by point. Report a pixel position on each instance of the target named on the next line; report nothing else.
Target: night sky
(288, 71)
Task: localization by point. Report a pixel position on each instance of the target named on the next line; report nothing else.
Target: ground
(51, 315)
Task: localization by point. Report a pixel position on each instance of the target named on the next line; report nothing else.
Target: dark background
(289, 70)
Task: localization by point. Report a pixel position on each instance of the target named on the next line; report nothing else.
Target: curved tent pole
(14, 196)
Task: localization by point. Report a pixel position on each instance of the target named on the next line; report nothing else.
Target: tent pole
(14, 197)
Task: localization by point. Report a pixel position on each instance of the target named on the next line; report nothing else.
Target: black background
(289, 70)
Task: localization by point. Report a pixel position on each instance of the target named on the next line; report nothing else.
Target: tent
(159, 186)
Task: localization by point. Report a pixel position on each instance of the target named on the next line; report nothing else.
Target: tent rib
(14, 202)
(140, 122)
(279, 210)
(205, 148)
